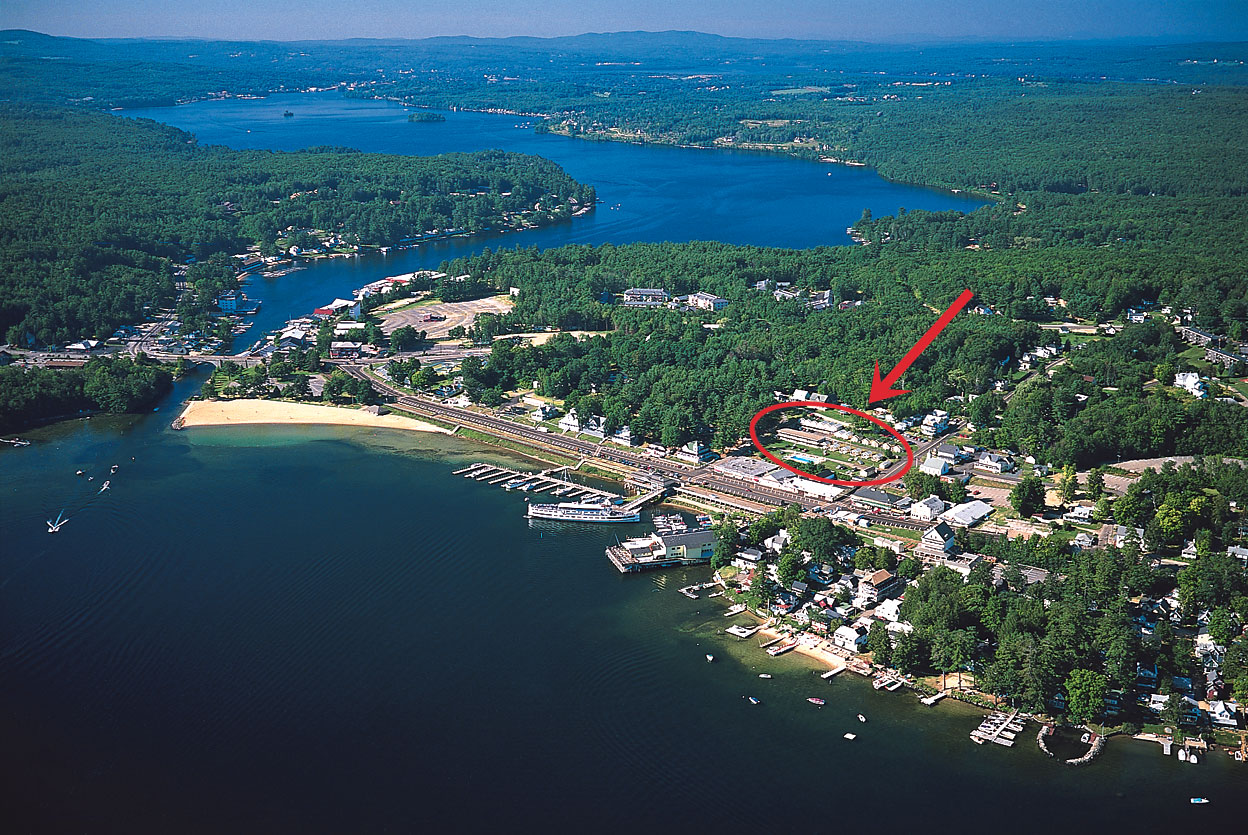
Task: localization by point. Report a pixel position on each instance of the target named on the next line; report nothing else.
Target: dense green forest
(104, 384)
(93, 205)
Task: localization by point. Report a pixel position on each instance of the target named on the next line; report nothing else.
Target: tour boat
(764, 675)
(816, 701)
(861, 718)
(709, 657)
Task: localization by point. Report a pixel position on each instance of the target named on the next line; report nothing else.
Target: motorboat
(861, 718)
(764, 675)
(816, 701)
(1200, 800)
(709, 658)
(54, 527)
(1183, 755)
(851, 736)
(754, 701)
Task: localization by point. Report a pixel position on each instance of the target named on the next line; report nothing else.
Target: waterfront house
(696, 545)
(927, 509)
(1224, 714)
(849, 638)
(748, 559)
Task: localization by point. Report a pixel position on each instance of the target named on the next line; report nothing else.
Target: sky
(862, 20)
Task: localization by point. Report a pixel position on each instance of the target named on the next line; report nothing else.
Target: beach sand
(277, 412)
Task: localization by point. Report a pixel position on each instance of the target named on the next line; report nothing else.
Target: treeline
(31, 395)
(93, 204)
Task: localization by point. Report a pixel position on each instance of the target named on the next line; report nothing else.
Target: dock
(551, 480)
(932, 699)
(743, 632)
(999, 729)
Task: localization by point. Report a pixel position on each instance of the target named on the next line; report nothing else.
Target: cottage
(1079, 513)
(1084, 541)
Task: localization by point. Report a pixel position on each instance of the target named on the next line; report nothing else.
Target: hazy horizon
(867, 21)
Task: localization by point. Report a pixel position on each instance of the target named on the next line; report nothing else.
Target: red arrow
(883, 389)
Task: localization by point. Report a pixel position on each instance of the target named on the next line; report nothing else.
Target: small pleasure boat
(851, 736)
(1200, 800)
(816, 701)
(764, 675)
(709, 658)
(861, 718)
(754, 701)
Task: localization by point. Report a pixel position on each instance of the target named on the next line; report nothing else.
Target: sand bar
(252, 412)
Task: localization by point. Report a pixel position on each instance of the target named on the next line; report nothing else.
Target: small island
(425, 117)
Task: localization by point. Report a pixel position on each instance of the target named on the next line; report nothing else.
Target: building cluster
(655, 297)
(1218, 349)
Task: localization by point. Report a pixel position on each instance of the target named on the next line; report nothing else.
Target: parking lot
(458, 314)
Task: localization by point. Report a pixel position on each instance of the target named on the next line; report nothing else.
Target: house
(1146, 677)
(927, 509)
(689, 545)
(1135, 317)
(707, 301)
(594, 425)
(696, 452)
(645, 297)
(934, 466)
(544, 412)
(967, 514)
(937, 423)
(1224, 714)
(948, 453)
(961, 563)
(937, 540)
(889, 610)
(624, 437)
(1123, 535)
(776, 542)
(345, 350)
(1079, 513)
(1239, 553)
(1189, 710)
(849, 638)
(877, 586)
(747, 559)
(1190, 382)
(992, 463)
(1084, 541)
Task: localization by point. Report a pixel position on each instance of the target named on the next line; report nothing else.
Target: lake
(663, 193)
(322, 630)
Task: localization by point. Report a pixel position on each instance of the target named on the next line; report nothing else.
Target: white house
(937, 423)
(937, 540)
(707, 301)
(1190, 382)
(848, 638)
(992, 463)
(645, 297)
(934, 466)
(927, 509)
(889, 610)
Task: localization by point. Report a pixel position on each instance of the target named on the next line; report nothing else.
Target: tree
(1095, 487)
(879, 643)
(1222, 626)
(951, 651)
(404, 338)
(954, 491)
(1070, 483)
(908, 655)
(1027, 497)
(1085, 695)
(299, 387)
(789, 568)
(725, 544)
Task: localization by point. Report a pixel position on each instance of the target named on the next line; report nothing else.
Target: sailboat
(53, 527)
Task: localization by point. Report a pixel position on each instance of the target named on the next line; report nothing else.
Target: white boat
(105, 487)
(1086, 738)
(861, 718)
(1182, 755)
(851, 736)
(816, 701)
(1191, 758)
(754, 701)
(764, 675)
(581, 512)
(709, 658)
(78, 473)
(53, 527)
(1200, 800)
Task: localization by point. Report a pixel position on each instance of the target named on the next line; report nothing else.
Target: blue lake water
(321, 630)
(663, 194)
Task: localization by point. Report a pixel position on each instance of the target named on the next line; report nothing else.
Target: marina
(494, 475)
(999, 728)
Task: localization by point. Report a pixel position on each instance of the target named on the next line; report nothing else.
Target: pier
(535, 482)
(998, 728)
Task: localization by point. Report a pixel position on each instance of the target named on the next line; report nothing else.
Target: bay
(662, 193)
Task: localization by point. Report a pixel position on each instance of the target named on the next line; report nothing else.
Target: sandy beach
(251, 412)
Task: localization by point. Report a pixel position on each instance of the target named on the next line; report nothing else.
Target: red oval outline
(790, 404)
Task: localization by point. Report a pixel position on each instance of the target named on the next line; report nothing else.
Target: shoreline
(255, 412)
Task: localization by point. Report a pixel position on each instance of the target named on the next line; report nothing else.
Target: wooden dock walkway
(534, 482)
(999, 728)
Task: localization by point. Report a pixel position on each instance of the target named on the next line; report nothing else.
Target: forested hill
(93, 204)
